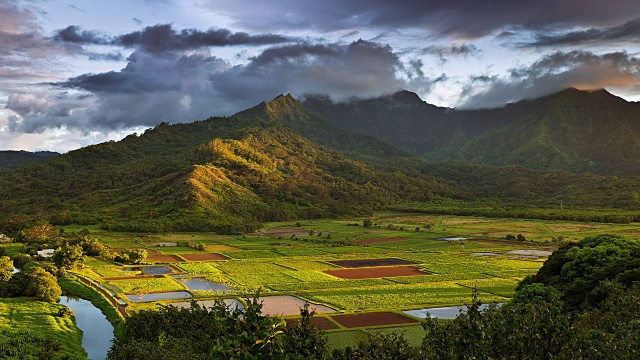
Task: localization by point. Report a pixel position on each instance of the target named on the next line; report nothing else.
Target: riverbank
(33, 329)
(75, 286)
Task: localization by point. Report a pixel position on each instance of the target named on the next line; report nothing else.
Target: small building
(46, 253)
(4, 238)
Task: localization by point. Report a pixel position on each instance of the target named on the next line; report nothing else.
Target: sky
(76, 73)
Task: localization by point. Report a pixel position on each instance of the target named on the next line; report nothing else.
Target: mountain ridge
(571, 130)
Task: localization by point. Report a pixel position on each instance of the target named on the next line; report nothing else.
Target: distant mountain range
(15, 158)
(573, 130)
(279, 161)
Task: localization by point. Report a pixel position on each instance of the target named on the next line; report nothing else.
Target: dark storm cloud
(466, 18)
(163, 37)
(173, 86)
(627, 32)
(552, 73)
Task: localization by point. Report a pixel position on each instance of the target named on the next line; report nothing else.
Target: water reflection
(97, 330)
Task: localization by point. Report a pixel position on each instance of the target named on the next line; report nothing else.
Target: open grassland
(28, 328)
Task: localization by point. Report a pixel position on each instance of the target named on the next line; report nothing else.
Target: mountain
(573, 130)
(278, 162)
(15, 158)
(220, 174)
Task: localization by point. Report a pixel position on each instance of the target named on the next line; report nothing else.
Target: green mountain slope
(16, 158)
(572, 130)
(220, 174)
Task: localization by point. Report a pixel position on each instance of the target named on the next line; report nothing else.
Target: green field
(285, 260)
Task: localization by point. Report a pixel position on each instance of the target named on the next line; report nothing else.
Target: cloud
(627, 32)
(186, 86)
(445, 52)
(163, 37)
(463, 18)
(74, 34)
(552, 73)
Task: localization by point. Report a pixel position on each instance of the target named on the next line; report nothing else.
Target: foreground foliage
(216, 333)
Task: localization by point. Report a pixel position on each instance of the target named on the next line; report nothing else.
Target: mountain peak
(406, 97)
(282, 107)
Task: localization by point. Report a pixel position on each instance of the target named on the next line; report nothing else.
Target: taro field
(401, 262)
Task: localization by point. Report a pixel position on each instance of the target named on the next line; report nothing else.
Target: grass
(28, 327)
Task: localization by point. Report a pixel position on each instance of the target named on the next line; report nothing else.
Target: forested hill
(572, 130)
(278, 162)
(220, 174)
(15, 158)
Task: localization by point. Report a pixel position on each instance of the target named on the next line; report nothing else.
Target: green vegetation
(217, 332)
(572, 130)
(32, 329)
(17, 158)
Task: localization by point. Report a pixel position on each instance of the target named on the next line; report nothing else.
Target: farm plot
(404, 296)
(371, 262)
(112, 272)
(379, 240)
(219, 248)
(259, 279)
(502, 287)
(372, 319)
(204, 257)
(198, 268)
(288, 305)
(249, 267)
(164, 258)
(252, 254)
(331, 285)
(377, 272)
(306, 264)
(177, 250)
(147, 285)
(319, 322)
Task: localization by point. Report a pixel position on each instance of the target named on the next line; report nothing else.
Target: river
(97, 330)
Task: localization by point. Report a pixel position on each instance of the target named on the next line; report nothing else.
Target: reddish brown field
(371, 262)
(372, 319)
(164, 258)
(380, 272)
(204, 257)
(378, 240)
(320, 322)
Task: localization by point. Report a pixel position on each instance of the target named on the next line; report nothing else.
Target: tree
(217, 332)
(132, 256)
(42, 285)
(40, 233)
(6, 268)
(578, 269)
(521, 238)
(367, 223)
(68, 256)
(19, 260)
